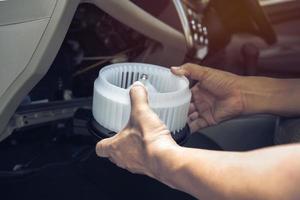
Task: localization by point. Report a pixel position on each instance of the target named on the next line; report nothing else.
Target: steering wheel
(209, 25)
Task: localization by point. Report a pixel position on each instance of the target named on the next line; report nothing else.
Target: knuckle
(139, 114)
(187, 66)
(101, 146)
(139, 110)
(114, 146)
(102, 150)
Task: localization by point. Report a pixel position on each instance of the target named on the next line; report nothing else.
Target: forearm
(227, 175)
(269, 95)
(197, 172)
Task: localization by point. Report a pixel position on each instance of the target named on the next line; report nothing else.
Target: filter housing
(169, 95)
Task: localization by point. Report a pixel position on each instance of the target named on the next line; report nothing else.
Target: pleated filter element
(169, 95)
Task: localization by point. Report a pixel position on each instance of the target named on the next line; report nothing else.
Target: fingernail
(138, 83)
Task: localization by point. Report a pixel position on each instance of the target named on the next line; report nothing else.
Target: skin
(219, 95)
(145, 146)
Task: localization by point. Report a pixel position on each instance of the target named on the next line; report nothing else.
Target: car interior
(51, 52)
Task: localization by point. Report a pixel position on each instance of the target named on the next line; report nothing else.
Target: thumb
(139, 97)
(142, 116)
(210, 79)
(193, 71)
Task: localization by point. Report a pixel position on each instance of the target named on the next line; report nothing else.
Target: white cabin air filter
(169, 95)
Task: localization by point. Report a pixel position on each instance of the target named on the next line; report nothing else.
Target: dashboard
(205, 28)
(48, 63)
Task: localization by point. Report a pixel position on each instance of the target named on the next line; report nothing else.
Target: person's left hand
(145, 138)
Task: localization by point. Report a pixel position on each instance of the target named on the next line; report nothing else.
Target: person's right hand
(215, 97)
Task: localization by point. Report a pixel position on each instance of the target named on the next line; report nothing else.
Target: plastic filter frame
(169, 95)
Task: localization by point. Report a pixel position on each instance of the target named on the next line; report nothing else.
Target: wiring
(106, 59)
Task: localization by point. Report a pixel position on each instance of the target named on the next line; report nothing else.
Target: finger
(192, 71)
(196, 93)
(208, 116)
(197, 124)
(199, 90)
(192, 108)
(142, 116)
(200, 95)
(194, 116)
(178, 71)
(209, 78)
(203, 107)
(138, 97)
(103, 148)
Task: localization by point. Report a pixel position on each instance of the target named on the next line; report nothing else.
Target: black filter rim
(101, 132)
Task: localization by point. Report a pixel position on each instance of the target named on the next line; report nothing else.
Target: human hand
(145, 138)
(215, 97)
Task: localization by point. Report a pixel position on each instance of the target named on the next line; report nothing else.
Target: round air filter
(169, 95)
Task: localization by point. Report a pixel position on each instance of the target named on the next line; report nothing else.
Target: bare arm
(145, 146)
(272, 173)
(270, 95)
(220, 95)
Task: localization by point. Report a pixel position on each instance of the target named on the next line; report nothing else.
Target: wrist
(255, 94)
(167, 161)
(263, 95)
